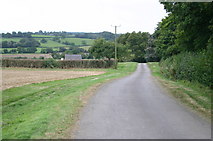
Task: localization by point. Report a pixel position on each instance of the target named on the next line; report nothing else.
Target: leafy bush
(189, 66)
(51, 63)
(86, 64)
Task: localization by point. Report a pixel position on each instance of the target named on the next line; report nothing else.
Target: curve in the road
(136, 107)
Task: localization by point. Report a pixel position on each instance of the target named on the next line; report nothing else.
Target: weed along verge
(50, 109)
(192, 94)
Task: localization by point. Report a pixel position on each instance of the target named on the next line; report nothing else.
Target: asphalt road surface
(136, 107)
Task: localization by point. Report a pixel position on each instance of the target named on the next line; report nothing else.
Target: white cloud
(80, 15)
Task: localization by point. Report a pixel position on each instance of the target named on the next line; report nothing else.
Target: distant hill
(43, 34)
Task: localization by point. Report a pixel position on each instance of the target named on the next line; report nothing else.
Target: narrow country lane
(136, 107)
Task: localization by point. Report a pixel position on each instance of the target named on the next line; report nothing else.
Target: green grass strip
(49, 109)
(193, 94)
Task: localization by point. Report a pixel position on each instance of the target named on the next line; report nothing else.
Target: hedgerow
(191, 66)
(51, 63)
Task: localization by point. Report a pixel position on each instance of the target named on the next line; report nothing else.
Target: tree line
(106, 35)
(187, 28)
(131, 47)
(184, 42)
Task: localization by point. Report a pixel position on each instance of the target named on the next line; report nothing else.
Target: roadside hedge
(191, 66)
(51, 63)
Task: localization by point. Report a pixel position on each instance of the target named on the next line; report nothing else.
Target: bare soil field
(16, 78)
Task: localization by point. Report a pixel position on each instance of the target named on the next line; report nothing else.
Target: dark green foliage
(86, 64)
(62, 49)
(165, 36)
(23, 63)
(150, 51)
(12, 51)
(26, 50)
(43, 40)
(51, 63)
(16, 35)
(184, 42)
(102, 49)
(68, 43)
(5, 51)
(188, 27)
(57, 39)
(193, 24)
(9, 44)
(49, 50)
(135, 44)
(20, 58)
(57, 55)
(28, 42)
(106, 35)
(189, 66)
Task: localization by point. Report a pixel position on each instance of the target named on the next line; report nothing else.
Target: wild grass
(193, 94)
(49, 109)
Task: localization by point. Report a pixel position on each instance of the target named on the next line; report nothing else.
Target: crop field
(24, 77)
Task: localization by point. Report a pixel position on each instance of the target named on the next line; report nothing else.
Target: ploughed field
(17, 77)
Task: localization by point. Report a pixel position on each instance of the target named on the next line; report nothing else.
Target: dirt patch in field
(16, 78)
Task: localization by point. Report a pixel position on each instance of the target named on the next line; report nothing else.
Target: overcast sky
(80, 15)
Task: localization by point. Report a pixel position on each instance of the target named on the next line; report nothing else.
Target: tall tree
(102, 49)
(136, 43)
(194, 21)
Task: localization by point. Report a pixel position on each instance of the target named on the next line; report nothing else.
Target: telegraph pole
(116, 60)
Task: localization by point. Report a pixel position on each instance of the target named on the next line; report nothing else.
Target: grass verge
(192, 94)
(48, 110)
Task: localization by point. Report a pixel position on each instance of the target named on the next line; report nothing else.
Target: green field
(50, 109)
(38, 49)
(11, 39)
(85, 47)
(43, 36)
(195, 95)
(78, 41)
(1, 49)
(51, 43)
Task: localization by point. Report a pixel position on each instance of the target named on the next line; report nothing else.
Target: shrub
(189, 66)
(51, 63)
